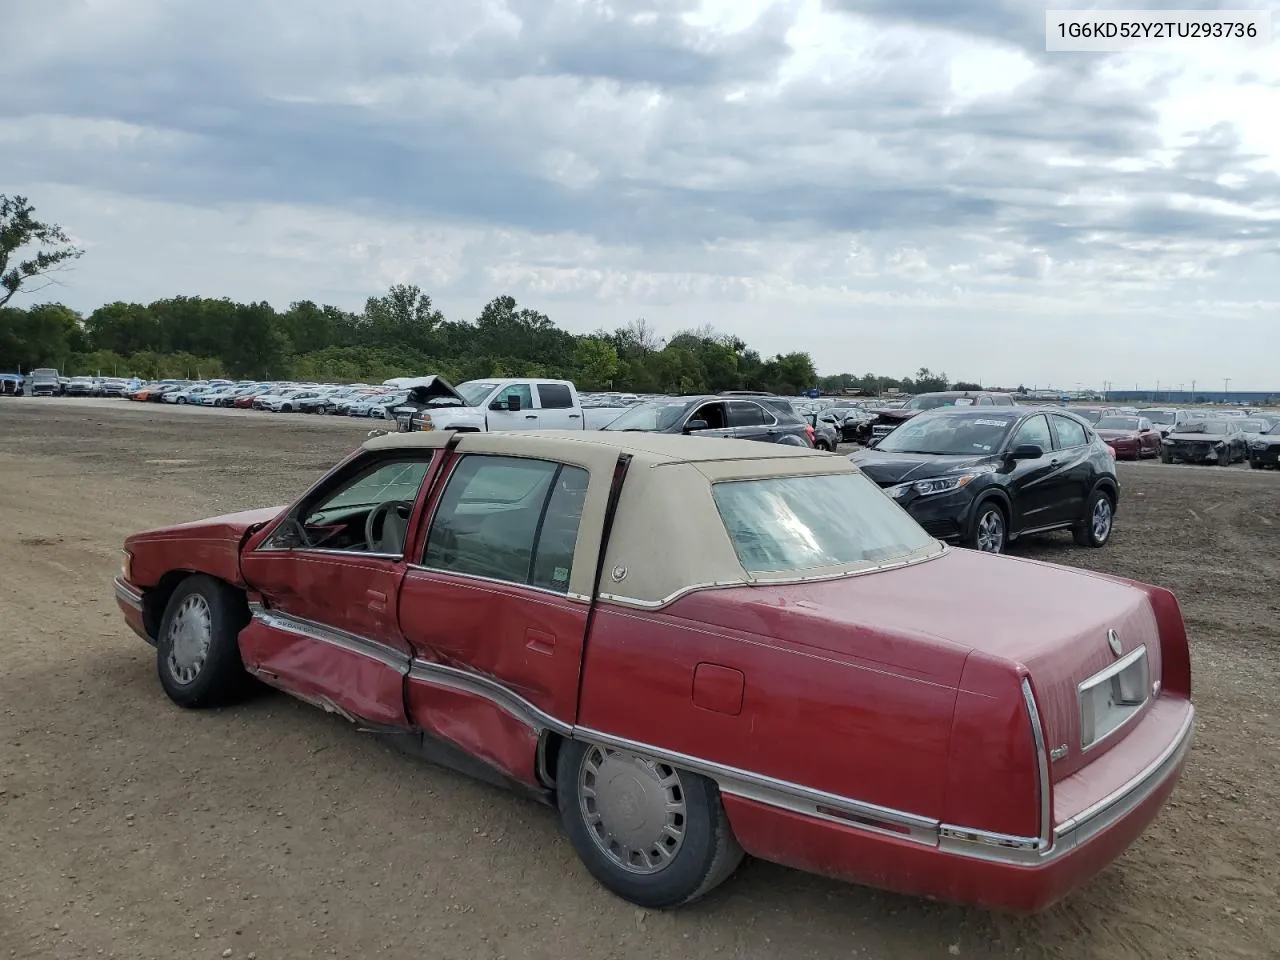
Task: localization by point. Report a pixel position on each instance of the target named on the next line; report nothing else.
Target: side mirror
(693, 425)
(873, 442)
(513, 403)
(1026, 451)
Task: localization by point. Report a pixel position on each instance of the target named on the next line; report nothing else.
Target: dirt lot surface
(132, 828)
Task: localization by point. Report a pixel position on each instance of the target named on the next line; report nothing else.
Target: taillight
(809, 432)
(1111, 450)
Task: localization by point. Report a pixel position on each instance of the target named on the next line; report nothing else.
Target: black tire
(988, 518)
(1255, 464)
(706, 857)
(1086, 533)
(1166, 456)
(822, 445)
(221, 677)
(1225, 459)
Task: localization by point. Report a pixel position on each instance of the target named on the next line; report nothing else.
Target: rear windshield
(797, 523)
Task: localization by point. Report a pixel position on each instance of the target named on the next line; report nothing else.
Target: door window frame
(770, 419)
(439, 487)
(1053, 440)
(346, 474)
(1059, 444)
(693, 415)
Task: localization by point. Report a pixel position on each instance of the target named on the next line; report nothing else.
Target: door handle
(575, 416)
(531, 416)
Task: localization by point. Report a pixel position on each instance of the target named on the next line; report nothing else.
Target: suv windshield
(655, 415)
(948, 434)
(797, 523)
(926, 402)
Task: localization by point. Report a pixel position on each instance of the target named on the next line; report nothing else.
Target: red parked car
(694, 648)
(1130, 437)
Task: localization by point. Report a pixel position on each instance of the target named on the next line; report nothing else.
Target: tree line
(400, 333)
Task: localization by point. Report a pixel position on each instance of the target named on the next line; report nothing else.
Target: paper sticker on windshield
(992, 423)
(964, 401)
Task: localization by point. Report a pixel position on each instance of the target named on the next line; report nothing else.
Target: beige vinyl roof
(668, 537)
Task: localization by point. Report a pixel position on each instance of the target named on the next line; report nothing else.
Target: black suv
(747, 418)
(886, 419)
(982, 477)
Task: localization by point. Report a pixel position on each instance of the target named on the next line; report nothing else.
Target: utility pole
(1193, 391)
(1226, 387)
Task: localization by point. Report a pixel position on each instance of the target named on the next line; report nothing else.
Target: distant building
(1172, 398)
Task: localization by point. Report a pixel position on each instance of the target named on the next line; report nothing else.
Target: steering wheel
(402, 508)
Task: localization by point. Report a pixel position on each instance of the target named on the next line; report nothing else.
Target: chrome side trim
(577, 597)
(311, 551)
(793, 797)
(362, 646)
(466, 681)
(1101, 815)
(787, 796)
(747, 581)
(129, 594)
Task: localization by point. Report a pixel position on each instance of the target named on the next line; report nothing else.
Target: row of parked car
(1223, 436)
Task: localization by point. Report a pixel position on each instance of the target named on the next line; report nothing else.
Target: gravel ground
(131, 828)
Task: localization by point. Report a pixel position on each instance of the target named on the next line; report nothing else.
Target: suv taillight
(809, 432)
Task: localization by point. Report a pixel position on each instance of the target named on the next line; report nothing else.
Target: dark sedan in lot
(746, 418)
(1264, 449)
(984, 477)
(1217, 441)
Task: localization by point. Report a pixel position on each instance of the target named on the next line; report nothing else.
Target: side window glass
(713, 414)
(984, 401)
(1003, 402)
(1034, 431)
(487, 522)
(553, 555)
(521, 390)
(1070, 433)
(554, 396)
(744, 414)
(369, 511)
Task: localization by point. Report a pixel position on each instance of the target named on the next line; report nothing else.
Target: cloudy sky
(887, 184)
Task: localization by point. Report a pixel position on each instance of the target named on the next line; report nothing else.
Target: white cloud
(887, 188)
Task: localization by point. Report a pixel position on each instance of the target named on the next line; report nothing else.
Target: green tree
(596, 362)
(19, 229)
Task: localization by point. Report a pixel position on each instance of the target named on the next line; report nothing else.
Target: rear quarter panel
(832, 722)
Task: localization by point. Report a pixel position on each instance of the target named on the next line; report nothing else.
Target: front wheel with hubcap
(989, 529)
(1095, 529)
(654, 835)
(198, 652)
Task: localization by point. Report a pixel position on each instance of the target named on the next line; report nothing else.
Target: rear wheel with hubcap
(650, 833)
(198, 652)
(1095, 529)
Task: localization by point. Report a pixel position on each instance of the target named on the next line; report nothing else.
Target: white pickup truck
(497, 404)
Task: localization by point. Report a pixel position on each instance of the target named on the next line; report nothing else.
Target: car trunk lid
(1053, 621)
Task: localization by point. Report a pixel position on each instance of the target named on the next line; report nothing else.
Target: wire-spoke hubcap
(190, 634)
(990, 532)
(1102, 519)
(634, 809)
